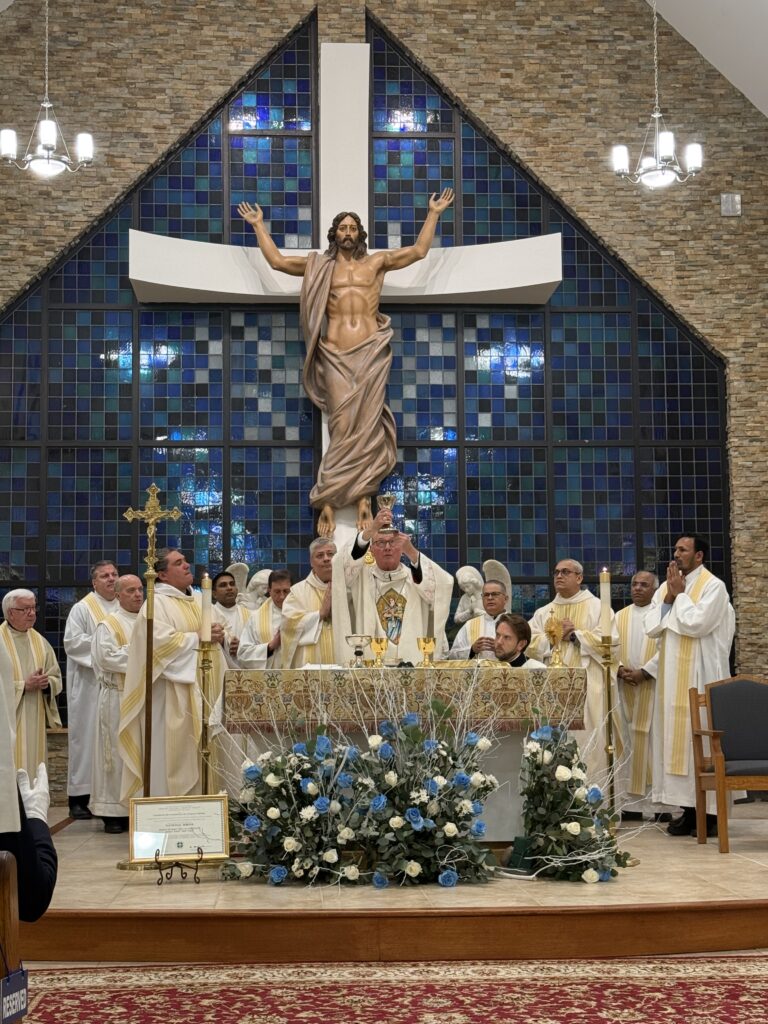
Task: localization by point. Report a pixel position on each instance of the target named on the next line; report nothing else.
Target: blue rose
(461, 780)
(277, 874)
(352, 753)
(386, 750)
(448, 878)
(322, 805)
(379, 802)
(252, 823)
(345, 780)
(323, 746)
(477, 807)
(594, 795)
(429, 824)
(299, 748)
(431, 787)
(305, 784)
(430, 745)
(414, 818)
(470, 740)
(386, 728)
(252, 773)
(410, 719)
(544, 732)
(478, 828)
(605, 875)
(379, 881)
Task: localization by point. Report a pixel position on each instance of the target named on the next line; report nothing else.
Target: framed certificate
(175, 828)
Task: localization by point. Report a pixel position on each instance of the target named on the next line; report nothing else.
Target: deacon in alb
(386, 597)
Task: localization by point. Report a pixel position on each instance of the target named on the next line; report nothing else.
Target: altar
(262, 709)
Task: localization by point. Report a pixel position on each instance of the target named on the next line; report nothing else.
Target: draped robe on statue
(259, 630)
(470, 633)
(234, 621)
(28, 651)
(305, 638)
(695, 634)
(583, 609)
(176, 697)
(636, 650)
(349, 386)
(109, 656)
(402, 604)
(82, 687)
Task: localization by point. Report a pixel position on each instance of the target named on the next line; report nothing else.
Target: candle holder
(605, 652)
(206, 671)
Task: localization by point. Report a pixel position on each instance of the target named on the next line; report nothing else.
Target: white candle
(205, 587)
(605, 602)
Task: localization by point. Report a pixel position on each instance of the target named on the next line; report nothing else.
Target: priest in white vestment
(35, 679)
(82, 687)
(261, 641)
(578, 613)
(177, 702)
(477, 637)
(109, 656)
(306, 631)
(231, 614)
(384, 597)
(692, 618)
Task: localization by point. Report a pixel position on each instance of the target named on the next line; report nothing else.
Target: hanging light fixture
(657, 166)
(42, 156)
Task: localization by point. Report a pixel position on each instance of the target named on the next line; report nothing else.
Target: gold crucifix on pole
(151, 514)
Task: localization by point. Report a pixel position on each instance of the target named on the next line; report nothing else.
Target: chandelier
(42, 156)
(657, 165)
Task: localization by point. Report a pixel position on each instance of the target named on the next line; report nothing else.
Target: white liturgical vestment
(480, 625)
(637, 651)
(234, 621)
(306, 639)
(259, 630)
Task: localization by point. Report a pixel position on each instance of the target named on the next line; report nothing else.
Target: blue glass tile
(406, 173)
(422, 383)
(21, 351)
(588, 277)
(276, 173)
(280, 98)
(504, 392)
(403, 100)
(98, 272)
(20, 541)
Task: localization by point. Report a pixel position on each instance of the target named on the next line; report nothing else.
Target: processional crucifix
(151, 514)
(525, 271)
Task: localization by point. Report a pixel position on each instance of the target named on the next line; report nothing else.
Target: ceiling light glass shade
(8, 145)
(693, 157)
(84, 146)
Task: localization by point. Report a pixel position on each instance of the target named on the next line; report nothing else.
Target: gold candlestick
(206, 667)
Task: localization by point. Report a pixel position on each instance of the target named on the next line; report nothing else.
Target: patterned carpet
(716, 990)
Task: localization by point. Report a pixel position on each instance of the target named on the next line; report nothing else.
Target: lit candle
(205, 587)
(605, 602)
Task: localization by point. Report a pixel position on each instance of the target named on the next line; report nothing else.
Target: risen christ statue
(347, 365)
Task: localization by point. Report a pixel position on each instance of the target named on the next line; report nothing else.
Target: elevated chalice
(379, 646)
(358, 642)
(387, 501)
(427, 648)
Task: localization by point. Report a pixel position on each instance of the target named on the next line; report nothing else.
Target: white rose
(375, 741)
(308, 813)
(413, 869)
(590, 876)
(571, 826)
(396, 822)
(273, 813)
(330, 856)
(450, 829)
(464, 806)
(439, 780)
(345, 834)
(563, 774)
(546, 757)
(273, 781)
(577, 773)
(247, 794)
(245, 869)
(290, 845)
(580, 794)
(352, 872)
(334, 807)
(532, 747)
(312, 789)
(391, 778)
(484, 744)
(476, 779)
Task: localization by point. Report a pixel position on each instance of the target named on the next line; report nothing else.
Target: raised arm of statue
(396, 259)
(294, 265)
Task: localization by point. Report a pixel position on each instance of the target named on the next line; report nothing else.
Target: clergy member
(82, 687)
(176, 691)
(477, 637)
(36, 679)
(260, 643)
(578, 613)
(513, 635)
(692, 617)
(638, 658)
(385, 597)
(230, 613)
(109, 656)
(305, 631)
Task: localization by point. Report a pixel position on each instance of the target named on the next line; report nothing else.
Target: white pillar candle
(205, 587)
(605, 602)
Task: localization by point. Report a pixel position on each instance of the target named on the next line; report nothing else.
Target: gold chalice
(427, 648)
(379, 646)
(554, 632)
(387, 501)
(358, 642)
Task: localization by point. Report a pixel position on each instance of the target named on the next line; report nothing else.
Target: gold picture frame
(176, 828)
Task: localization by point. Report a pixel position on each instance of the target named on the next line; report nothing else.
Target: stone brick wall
(555, 82)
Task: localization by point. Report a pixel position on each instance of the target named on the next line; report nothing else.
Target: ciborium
(358, 642)
(427, 648)
(379, 646)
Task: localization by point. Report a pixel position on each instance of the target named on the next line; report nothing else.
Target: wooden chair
(9, 912)
(737, 730)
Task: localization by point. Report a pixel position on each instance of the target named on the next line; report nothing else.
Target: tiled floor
(669, 870)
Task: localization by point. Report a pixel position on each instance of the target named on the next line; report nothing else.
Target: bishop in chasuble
(578, 612)
(375, 594)
(177, 701)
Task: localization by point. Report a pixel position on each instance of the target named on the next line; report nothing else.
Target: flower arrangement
(404, 810)
(564, 817)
